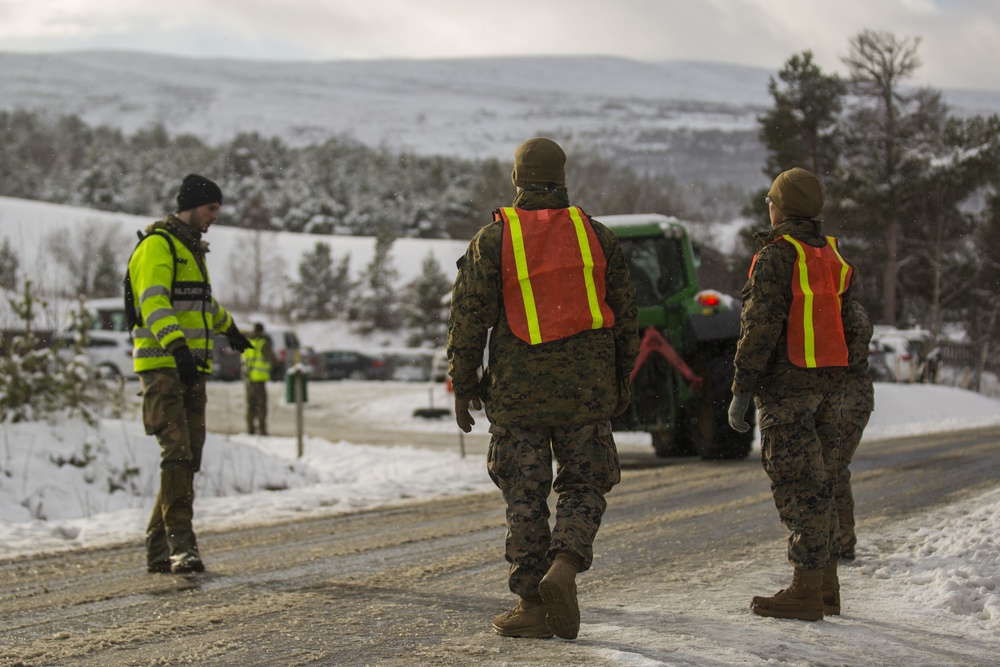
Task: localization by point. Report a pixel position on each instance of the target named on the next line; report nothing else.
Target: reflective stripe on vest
(175, 300)
(815, 327)
(553, 274)
(258, 370)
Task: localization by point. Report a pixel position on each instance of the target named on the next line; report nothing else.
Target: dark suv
(347, 364)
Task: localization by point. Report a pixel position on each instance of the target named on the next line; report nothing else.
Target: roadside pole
(296, 387)
(300, 390)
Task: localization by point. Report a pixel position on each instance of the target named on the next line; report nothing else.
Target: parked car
(878, 367)
(351, 365)
(411, 366)
(109, 352)
(108, 314)
(901, 350)
(312, 360)
(439, 365)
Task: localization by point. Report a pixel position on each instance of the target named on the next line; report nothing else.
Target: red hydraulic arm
(653, 341)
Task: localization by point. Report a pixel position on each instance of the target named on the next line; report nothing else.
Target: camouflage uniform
(175, 414)
(857, 407)
(553, 398)
(799, 408)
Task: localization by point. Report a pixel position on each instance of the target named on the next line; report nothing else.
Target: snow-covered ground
(929, 586)
(928, 580)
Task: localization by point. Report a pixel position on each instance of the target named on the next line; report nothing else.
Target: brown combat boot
(802, 600)
(176, 499)
(526, 619)
(831, 590)
(157, 552)
(558, 589)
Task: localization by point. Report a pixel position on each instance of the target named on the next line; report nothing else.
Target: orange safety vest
(553, 274)
(815, 327)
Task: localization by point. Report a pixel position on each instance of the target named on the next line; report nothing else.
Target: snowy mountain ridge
(694, 121)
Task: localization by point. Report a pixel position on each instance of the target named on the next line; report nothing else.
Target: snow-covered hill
(693, 121)
(459, 107)
(29, 224)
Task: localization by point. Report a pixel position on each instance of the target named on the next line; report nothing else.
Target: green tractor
(681, 384)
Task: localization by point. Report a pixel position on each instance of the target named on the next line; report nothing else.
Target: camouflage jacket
(572, 381)
(763, 368)
(859, 392)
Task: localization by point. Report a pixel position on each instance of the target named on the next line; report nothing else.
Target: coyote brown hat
(539, 161)
(797, 193)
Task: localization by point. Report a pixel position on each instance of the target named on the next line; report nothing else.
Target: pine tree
(314, 292)
(422, 308)
(801, 129)
(9, 265)
(378, 305)
(879, 64)
(35, 381)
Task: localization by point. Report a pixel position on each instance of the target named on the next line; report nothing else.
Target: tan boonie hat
(797, 193)
(539, 161)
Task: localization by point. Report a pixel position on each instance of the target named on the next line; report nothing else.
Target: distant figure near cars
(257, 362)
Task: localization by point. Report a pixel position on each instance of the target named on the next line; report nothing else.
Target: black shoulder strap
(133, 315)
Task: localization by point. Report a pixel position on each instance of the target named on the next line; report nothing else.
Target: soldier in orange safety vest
(548, 290)
(792, 359)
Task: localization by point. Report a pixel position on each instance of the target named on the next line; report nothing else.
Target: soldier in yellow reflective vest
(257, 362)
(175, 318)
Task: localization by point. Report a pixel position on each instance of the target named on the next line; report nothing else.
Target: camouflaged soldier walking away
(550, 291)
(791, 359)
(173, 320)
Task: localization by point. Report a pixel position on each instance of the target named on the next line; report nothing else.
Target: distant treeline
(338, 187)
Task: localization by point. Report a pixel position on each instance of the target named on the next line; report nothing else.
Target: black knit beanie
(197, 191)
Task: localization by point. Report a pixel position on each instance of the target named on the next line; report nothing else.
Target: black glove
(737, 413)
(187, 367)
(237, 339)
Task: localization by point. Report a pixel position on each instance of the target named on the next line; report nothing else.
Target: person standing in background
(257, 362)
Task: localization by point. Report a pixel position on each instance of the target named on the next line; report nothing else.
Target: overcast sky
(960, 45)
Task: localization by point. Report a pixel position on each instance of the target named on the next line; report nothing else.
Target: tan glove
(462, 414)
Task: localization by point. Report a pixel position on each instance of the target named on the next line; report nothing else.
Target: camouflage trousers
(854, 423)
(257, 407)
(520, 464)
(801, 453)
(175, 414)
